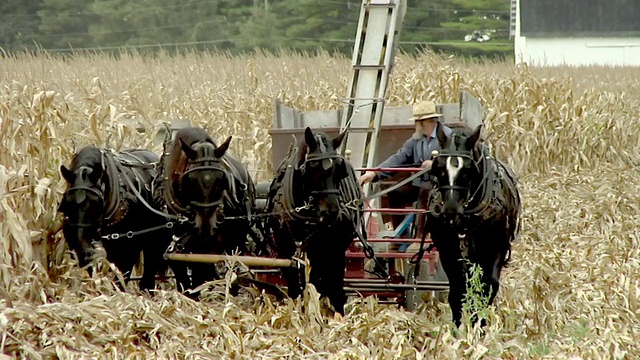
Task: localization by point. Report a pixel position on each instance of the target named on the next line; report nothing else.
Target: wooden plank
(246, 260)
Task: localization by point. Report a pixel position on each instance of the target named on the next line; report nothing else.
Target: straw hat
(423, 110)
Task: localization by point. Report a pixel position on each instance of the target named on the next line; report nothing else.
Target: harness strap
(483, 208)
(143, 201)
(113, 171)
(287, 184)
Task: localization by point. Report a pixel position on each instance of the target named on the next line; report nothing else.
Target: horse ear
(67, 174)
(441, 135)
(191, 154)
(220, 150)
(337, 141)
(473, 138)
(310, 139)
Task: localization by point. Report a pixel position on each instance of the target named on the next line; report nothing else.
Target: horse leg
(183, 280)
(334, 283)
(123, 260)
(457, 285)
(492, 279)
(153, 263)
(490, 282)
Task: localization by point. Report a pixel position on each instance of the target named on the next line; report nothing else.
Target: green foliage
(241, 25)
(476, 299)
(65, 24)
(18, 22)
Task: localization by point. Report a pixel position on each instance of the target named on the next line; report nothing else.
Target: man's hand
(427, 164)
(367, 177)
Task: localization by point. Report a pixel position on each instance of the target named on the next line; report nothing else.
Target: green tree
(210, 23)
(312, 25)
(119, 21)
(65, 24)
(19, 23)
(422, 22)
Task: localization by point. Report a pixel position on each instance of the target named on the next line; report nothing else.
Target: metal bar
(265, 271)
(246, 260)
(381, 302)
(372, 99)
(354, 254)
(399, 169)
(396, 240)
(369, 67)
(396, 211)
(378, 287)
(385, 282)
(385, 5)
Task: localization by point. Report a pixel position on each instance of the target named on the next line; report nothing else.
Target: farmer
(416, 151)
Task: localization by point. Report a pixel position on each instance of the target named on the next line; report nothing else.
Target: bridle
(209, 163)
(98, 192)
(327, 160)
(461, 156)
(481, 167)
(322, 159)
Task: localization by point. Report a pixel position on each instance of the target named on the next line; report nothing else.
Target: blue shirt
(413, 152)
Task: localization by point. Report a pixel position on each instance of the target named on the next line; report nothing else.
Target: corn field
(572, 289)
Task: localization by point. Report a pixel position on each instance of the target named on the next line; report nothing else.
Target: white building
(576, 32)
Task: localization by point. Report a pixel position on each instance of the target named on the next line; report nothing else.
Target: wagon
(400, 283)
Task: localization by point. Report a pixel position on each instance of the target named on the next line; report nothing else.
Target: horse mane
(177, 161)
(89, 155)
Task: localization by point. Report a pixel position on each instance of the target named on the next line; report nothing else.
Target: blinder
(95, 191)
(201, 168)
(327, 161)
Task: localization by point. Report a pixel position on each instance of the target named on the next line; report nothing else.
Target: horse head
(206, 183)
(458, 170)
(322, 169)
(83, 204)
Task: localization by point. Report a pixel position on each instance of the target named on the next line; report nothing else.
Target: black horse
(314, 194)
(474, 213)
(107, 211)
(215, 192)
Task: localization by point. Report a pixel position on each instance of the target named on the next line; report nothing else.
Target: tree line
(242, 25)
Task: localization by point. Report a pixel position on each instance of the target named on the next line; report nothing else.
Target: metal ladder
(374, 51)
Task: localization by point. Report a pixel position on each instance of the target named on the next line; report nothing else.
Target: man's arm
(404, 156)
